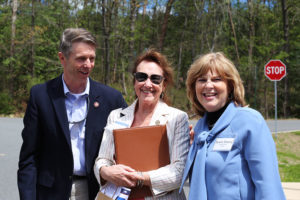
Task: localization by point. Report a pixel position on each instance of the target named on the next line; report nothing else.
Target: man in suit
(63, 126)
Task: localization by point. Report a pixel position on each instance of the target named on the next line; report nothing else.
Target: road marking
(2, 154)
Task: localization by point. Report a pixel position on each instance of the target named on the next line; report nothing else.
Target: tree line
(249, 32)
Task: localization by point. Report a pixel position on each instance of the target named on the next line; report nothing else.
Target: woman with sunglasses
(233, 154)
(152, 76)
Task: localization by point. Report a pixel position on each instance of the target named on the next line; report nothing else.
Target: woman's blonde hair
(215, 62)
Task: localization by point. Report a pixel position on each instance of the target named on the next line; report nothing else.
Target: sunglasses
(154, 78)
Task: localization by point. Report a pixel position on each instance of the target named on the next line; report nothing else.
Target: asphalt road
(11, 140)
(10, 143)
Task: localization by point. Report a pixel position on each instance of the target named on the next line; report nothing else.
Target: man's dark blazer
(46, 161)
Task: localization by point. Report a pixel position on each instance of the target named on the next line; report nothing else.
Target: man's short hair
(71, 35)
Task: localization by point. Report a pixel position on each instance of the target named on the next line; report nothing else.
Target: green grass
(288, 153)
(297, 133)
(290, 173)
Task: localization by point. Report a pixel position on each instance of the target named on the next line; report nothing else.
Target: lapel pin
(96, 104)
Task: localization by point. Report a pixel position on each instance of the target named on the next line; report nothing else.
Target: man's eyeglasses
(86, 113)
(154, 78)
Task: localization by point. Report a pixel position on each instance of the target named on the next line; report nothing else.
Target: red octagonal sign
(275, 70)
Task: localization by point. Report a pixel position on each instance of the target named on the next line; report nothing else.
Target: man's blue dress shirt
(76, 106)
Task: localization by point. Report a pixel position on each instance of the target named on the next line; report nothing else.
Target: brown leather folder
(143, 149)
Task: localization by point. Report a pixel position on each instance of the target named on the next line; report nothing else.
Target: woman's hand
(192, 133)
(120, 175)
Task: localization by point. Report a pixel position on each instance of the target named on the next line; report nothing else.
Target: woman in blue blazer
(233, 154)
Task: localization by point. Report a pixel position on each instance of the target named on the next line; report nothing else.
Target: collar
(160, 114)
(212, 117)
(221, 123)
(67, 91)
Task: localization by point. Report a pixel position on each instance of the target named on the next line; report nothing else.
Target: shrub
(6, 104)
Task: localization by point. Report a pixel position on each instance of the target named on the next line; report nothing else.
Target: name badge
(223, 144)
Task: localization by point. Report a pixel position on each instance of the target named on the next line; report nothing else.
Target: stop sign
(275, 70)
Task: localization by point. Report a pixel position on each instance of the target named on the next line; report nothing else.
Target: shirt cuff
(98, 164)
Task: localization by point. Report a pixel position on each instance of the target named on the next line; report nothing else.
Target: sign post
(275, 70)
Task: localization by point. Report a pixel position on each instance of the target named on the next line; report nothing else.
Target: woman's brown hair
(152, 55)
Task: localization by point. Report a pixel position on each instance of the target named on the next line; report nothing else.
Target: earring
(162, 95)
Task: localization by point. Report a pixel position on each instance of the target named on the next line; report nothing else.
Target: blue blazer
(46, 161)
(249, 170)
